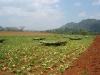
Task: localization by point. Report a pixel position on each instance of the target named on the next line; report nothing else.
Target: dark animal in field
(57, 43)
(2, 40)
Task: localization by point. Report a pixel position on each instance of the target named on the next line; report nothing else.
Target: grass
(85, 73)
(23, 55)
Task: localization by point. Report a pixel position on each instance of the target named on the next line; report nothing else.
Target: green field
(23, 55)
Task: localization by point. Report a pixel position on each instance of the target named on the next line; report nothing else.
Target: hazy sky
(46, 14)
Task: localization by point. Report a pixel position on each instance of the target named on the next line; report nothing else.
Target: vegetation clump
(38, 38)
(54, 43)
(75, 38)
(2, 40)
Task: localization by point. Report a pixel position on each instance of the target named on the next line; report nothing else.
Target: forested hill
(1, 28)
(69, 25)
(89, 25)
(92, 25)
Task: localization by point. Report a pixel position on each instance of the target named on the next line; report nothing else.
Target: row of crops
(24, 55)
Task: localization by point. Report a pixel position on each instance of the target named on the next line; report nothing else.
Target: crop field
(89, 62)
(26, 55)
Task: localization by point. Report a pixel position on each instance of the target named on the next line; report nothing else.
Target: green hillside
(69, 25)
(92, 25)
(1, 28)
(88, 25)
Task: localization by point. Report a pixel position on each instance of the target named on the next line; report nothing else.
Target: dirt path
(89, 62)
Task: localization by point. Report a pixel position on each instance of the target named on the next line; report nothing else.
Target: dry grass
(11, 33)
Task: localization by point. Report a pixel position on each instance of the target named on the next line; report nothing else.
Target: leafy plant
(85, 73)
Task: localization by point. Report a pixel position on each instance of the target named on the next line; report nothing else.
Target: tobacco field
(22, 55)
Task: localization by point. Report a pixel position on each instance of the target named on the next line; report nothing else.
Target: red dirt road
(89, 62)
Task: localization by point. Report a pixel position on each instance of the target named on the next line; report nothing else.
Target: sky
(46, 14)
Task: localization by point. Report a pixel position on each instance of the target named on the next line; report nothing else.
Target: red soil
(89, 62)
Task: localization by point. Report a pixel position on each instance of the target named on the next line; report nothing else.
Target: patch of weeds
(62, 68)
(85, 73)
(21, 71)
(2, 57)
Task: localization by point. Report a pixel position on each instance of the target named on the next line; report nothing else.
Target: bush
(38, 38)
(75, 38)
(56, 43)
(2, 40)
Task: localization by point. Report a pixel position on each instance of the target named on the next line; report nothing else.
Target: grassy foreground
(23, 55)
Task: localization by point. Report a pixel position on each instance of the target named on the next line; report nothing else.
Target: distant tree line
(21, 28)
(71, 31)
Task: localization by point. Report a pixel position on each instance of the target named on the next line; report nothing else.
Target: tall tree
(22, 28)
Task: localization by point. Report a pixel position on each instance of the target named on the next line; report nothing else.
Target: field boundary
(89, 62)
(18, 33)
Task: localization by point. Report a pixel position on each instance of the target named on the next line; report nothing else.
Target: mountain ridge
(1, 28)
(92, 25)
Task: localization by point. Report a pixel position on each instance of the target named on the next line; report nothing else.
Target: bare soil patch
(89, 62)
(11, 33)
